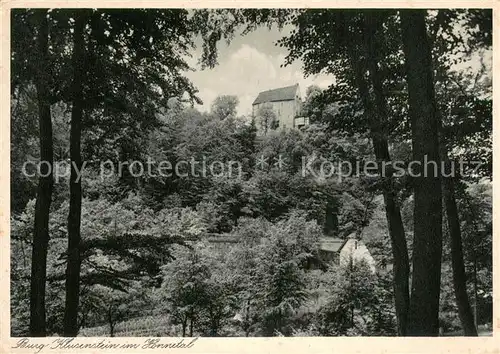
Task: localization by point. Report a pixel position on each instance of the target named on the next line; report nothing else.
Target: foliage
(198, 290)
(267, 118)
(153, 245)
(358, 302)
(224, 106)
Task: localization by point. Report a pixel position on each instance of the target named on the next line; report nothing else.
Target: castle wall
(285, 111)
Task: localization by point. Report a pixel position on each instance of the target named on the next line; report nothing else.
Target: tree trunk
(457, 255)
(45, 185)
(427, 246)
(475, 292)
(247, 319)
(75, 207)
(184, 325)
(401, 261)
(380, 135)
(110, 321)
(214, 315)
(330, 226)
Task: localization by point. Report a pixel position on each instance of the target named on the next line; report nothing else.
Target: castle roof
(280, 94)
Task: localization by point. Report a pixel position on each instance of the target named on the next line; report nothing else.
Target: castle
(286, 104)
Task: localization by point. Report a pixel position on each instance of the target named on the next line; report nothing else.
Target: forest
(235, 250)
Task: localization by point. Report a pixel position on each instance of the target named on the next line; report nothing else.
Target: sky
(249, 65)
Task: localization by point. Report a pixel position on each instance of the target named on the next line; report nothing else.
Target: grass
(149, 326)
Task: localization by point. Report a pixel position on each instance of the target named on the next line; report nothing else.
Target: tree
(357, 302)
(359, 49)
(270, 266)
(21, 237)
(122, 245)
(25, 73)
(184, 285)
(281, 285)
(246, 135)
(381, 148)
(427, 245)
(225, 106)
(44, 193)
(243, 259)
(112, 306)
(452, 96)
(475, 206)
(221, 296)
(311, 107)
(153, 64)
(75, 204)
(457, 255)
(267, 118)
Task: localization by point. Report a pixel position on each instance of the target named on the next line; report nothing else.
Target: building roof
(331, 244)
(279, 94)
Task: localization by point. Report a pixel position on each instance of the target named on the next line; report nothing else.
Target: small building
(355, 251)
(343, 251)
(286, 104)
(331, 250)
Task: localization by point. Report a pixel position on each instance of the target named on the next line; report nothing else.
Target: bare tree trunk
(110, 321)
(381, 149)
(475, 291)
(457, 254)
(75, 207)
(184, 325)
(427, 246)
(45, 185)
(247, 319)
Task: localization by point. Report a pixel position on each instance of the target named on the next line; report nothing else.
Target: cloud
(245, 71)
(250, 65)
(207, 95)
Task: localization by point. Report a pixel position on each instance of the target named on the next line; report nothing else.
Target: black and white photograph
(250, 172)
